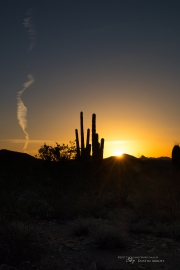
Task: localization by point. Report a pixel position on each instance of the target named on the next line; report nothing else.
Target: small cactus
(176, 156)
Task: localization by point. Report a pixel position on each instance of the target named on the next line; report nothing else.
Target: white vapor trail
(29, 24)
(22, 110)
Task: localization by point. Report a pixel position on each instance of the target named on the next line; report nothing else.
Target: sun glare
(118, 152)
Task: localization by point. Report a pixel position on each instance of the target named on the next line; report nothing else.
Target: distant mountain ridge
(161, 158)
(8, 155)
(12, 154)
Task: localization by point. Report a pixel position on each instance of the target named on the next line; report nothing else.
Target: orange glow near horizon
(137, 148)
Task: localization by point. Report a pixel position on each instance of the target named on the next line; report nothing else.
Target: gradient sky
(119, 59)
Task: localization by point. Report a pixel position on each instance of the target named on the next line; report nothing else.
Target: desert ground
(115, 213)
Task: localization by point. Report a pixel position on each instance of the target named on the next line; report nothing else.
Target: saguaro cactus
(93, 134)
(77, 144)
(82, 133)
(88, 145)
(176, 156)
(97, 148)
(101, 148)
(84, 154)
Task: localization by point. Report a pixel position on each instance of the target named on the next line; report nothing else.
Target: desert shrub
(9, 206)
(108, 237)
(40, 208)
(126, 215)
(76, 204)
(87, 226)
(81, 227)
(34, 205)
(168, 230)
(65, 206)
(141, 198)
(142, 226)
(18, 243)
(52, 263)
(57, 153)
(168, 198)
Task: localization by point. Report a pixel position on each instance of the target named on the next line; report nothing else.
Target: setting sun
(118, 152)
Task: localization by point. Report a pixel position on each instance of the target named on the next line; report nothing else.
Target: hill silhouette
(12, 157)
(107, 172)
(20, 161)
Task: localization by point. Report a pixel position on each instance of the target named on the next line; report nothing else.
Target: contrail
(22, 110)
(29, 24)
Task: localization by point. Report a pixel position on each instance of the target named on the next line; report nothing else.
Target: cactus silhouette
(77, 144)
(176, 156)
(82, 133)
(97, 148)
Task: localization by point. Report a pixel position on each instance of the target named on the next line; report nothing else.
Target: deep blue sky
(119, 59)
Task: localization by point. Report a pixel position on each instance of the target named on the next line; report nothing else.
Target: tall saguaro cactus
(82, 133)
(88, 145)
(93, 134)
(97, 148)
(77, 144)
(102, 148)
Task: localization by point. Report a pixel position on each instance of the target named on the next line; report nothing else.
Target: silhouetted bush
(109, 237)
(81, 227)
(57, 153)
(18, 242)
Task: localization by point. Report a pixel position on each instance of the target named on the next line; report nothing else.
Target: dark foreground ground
(111, 214)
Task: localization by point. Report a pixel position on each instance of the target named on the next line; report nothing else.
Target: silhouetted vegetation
(176, 156)
(58, 153)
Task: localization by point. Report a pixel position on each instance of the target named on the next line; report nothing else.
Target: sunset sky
(119, 59)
